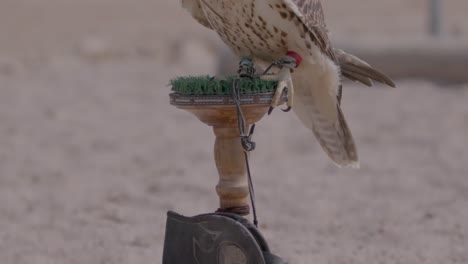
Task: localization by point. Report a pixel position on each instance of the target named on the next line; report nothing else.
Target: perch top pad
(214, 86)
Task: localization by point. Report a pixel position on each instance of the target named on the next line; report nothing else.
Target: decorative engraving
(263, 98)
(230, 253)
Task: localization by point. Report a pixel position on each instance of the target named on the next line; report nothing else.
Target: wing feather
(195, 9)
(356, 69)
(310, 13)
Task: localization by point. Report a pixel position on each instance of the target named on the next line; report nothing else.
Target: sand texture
(92, 155)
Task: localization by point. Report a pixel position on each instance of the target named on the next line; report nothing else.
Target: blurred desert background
(92, 155)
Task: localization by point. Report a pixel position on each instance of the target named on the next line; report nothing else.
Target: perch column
(233, 187)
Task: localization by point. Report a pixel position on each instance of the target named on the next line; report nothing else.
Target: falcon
(294, 33)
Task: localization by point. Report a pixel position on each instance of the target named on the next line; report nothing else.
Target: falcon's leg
(284, 83)
(287, 64)
(246, 68)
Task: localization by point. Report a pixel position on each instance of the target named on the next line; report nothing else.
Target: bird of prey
(268, 30)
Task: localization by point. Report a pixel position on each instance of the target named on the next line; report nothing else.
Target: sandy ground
(92, 155)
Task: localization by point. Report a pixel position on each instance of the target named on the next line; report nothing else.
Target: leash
(247, 70)
(247, 143)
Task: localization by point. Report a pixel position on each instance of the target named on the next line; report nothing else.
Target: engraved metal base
(214, 239)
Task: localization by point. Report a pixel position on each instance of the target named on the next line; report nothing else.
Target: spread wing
(195, 9)
(310, 13)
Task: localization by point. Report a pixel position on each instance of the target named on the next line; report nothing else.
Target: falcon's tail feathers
(336, 139)
(332, 133)
(316, 105)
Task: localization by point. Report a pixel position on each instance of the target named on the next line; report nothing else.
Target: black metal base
(216, 238)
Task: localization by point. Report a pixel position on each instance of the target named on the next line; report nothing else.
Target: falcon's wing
(356, 69)
(195, 9)
(310, 13)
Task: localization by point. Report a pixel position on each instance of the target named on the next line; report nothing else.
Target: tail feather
(317, 106)
(334, 136)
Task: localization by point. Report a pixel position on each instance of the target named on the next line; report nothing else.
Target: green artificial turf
(206, 85)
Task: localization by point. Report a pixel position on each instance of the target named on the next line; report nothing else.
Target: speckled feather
(306, 12)
(311, 14)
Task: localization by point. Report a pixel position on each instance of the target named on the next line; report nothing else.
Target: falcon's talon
(287, 64)
(287, 109)
(270, 110)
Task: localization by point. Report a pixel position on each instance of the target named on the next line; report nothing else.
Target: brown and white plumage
(265, 30)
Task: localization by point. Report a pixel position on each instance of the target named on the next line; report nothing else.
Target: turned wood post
(232, 188)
